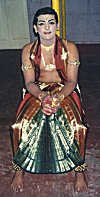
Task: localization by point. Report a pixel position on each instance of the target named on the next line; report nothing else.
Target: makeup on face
(46, 21)
(46, 27)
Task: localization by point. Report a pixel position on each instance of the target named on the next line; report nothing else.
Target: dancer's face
(46, 26)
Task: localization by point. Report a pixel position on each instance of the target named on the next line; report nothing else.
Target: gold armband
(25, 67)
(74, 62)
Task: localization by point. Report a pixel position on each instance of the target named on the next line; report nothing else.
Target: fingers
(47, 109)
(47, 113)
(50, 104)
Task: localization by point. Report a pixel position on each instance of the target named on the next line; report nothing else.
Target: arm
(72, 70)
(29, 74)
(29, 77)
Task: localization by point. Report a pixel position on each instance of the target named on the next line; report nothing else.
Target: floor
(10, 96)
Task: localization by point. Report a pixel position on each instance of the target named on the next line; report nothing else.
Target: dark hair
(45, 10)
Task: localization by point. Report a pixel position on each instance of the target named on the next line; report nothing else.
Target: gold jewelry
(42, 95)
(15, 166)
(47, 48)
(26, 67)
(48, 67)
(74, 62)
(81, 168)
(60, 96)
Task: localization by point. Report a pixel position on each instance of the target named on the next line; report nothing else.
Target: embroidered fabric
(15, 166)
(51, 144)
(81, 168)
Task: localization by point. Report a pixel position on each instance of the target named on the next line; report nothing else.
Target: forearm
(68, 88)
(33, 89)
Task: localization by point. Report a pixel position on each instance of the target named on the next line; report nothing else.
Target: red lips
(47, 32)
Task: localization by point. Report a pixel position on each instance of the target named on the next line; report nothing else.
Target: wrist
(42, 95)
(60, 96)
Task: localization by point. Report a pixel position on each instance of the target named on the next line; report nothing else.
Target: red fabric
(26, 98)
(77, 100)
(37, 59)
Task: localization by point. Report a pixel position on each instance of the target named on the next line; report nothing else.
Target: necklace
(48, 67)
(47, 48)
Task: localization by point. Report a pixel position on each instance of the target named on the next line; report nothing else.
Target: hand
(50, 104)
(46, 109)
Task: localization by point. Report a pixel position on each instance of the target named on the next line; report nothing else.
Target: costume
(55, 143)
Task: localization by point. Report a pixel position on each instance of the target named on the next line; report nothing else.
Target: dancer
(49, 133)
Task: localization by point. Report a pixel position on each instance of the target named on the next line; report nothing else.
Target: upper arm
(72, 68)
(28, 69)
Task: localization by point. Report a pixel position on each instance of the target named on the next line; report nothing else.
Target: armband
(25, 67)
(74, 62)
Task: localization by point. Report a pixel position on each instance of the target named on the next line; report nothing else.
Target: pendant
(50, 67)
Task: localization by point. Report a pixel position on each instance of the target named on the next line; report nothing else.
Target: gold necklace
(47, 48)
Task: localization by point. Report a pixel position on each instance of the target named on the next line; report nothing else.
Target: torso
(48, 76)
(45, 75)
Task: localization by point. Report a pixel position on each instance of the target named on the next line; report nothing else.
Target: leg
(80, 182)
(18, 178)
(18, 181)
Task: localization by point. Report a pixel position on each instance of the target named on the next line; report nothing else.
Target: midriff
(49, 76)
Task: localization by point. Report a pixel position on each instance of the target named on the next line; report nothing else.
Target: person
(49, 132)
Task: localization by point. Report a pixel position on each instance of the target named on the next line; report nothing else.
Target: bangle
(42, 95)
(60, 96)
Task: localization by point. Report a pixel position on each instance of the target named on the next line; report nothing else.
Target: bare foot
(17, 181)
(80, 182)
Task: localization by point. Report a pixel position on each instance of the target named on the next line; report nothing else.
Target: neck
(47, 48)
(47, 42)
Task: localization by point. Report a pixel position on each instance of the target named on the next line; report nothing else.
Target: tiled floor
(10, 96)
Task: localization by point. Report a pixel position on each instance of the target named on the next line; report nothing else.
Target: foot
(18, 181)
(80, 182)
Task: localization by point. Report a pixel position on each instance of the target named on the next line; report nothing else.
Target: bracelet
(60, 96)
(42, 95)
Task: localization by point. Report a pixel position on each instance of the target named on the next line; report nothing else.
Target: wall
(33, 6)
(82, 19)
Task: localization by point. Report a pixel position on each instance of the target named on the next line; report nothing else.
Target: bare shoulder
(26, 49)
(72, 47)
